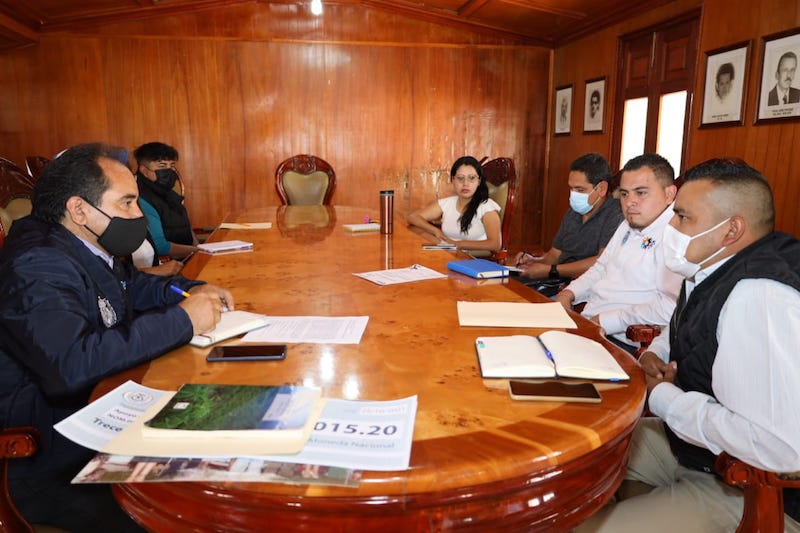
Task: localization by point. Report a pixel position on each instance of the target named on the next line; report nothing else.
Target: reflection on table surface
(480, 461)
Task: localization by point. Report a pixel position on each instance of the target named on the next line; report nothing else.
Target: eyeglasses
(472, 179)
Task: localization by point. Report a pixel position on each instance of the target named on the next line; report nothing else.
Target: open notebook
(551, 354)
(231, 324)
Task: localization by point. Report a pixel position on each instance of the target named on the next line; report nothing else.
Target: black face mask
(123, 236)
(166, 177)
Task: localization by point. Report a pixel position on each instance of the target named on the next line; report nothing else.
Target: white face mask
(675, 245)
(579, 201)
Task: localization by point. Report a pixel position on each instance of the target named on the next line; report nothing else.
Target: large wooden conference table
(479, 461)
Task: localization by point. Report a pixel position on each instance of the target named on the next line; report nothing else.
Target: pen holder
(387, 212)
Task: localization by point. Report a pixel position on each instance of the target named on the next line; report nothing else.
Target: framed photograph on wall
(725, 85)
(594, 105)
(563, 108)
(779, 90)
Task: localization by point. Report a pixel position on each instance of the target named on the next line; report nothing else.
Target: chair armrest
(642, 333)
(763, 492)
(19, 442)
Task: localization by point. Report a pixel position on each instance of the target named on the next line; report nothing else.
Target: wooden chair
(763, 493)
(16, 187)
(643, 334)
(305, 180)
(14, 443)
(36, 164)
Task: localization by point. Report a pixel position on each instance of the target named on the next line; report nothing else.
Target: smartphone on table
(553, 391)
(247, 352)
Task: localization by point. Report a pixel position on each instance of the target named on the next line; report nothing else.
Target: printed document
(401, 275)
(348, 434)
(311, 329)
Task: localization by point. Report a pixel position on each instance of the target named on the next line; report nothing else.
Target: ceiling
(540, 22)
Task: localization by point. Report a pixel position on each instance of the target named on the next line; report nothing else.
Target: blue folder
(479, 268)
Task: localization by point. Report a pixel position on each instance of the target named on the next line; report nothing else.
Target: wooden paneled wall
(389, 102)
(592, 57)
(771, 148)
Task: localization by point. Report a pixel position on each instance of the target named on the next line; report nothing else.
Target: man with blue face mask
(170, 228)
(723, 376)
(72, 314)
(585, 228)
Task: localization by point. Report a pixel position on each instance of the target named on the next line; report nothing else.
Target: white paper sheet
(401, 275)
(514, 315)
(246, 225)
(311, 329)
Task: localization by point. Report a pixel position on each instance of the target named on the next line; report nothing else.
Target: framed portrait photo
(594, 105)
(779, 90)
(563, 110)
(725, 86)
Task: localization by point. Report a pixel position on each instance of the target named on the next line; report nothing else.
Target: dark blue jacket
(54, 344)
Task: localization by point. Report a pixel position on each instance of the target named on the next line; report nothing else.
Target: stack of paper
(211, 419)
(370, 227)
(225, 247)
(514, 315)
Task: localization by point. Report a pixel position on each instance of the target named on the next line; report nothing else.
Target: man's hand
(204, 310)
(206, 305)
(657, 371)
(565, 298)
(525, 260)
(224, 295)
(170, 268)
(537, 270)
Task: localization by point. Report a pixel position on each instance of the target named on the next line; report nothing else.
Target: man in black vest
(724, 375)
(156, 176)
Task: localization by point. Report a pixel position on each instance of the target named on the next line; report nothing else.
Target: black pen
(522, 257)
(185, 259)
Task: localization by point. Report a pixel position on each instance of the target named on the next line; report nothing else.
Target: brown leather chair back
(305, 180)
(501, 178)
(36, 164)
(16, 187)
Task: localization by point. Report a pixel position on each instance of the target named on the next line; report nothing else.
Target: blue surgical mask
(579, 201)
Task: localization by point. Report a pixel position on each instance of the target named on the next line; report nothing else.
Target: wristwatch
(554, 271)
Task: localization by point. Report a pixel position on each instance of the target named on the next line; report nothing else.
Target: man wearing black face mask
(72, 314)
(170, 229)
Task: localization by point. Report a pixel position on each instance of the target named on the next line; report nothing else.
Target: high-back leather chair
(16, 187)
(5, 225)
(305, 180)
(36, 164)
(14, 443)
(501, 178)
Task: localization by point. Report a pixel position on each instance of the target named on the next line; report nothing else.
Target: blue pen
(175, 288)
(547, 352)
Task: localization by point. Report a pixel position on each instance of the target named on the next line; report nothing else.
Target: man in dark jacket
(170, 228)
(723, 376)
(71, 315)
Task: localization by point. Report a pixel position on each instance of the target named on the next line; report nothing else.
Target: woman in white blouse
(470, 219)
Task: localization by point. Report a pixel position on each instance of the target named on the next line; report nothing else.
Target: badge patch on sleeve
(107, 312)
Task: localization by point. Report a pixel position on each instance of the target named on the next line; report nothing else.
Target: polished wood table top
(479, 461)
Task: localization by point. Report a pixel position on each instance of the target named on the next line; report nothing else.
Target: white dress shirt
(629, 284)
(755, 377)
